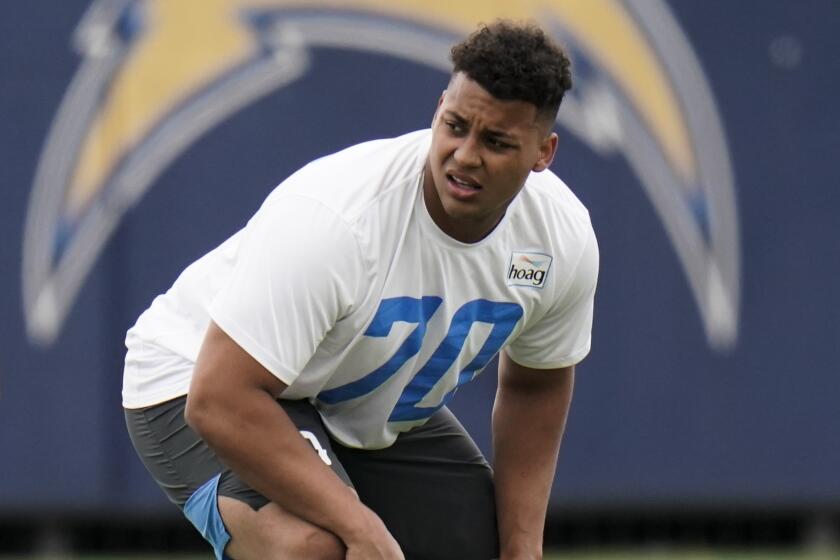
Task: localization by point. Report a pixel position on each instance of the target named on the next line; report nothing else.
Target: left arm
(529, 417)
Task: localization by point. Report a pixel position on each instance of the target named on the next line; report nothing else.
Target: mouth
(462, 183)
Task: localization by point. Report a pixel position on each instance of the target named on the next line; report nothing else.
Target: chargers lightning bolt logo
(133, 107)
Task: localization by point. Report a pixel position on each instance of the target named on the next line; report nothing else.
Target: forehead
(466, 98)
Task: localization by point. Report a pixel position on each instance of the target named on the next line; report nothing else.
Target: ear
(546, 155)
(439, 103)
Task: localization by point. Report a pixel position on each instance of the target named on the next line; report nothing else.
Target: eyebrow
(489, 132)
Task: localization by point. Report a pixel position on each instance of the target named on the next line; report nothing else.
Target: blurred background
(137, 135)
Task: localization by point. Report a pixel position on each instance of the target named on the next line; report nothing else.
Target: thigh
(178, 460)
(432, 488)
(181, 462)
(193, 477)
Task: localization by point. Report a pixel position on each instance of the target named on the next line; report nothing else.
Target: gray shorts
(432, 487)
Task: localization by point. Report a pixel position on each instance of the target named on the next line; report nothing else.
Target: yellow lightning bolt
(188, 44)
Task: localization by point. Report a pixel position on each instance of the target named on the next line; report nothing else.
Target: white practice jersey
(343, 287)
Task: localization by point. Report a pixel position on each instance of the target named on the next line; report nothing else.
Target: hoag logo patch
(528, 269)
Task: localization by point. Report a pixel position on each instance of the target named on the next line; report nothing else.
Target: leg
(239, 522)
(271, 532)
(432, 488)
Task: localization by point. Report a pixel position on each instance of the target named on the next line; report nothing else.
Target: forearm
(528, 427)
(231, 405)
(253, 436)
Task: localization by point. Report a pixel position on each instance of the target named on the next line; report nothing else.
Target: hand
(373, 541)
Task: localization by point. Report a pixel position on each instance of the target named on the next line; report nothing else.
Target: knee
(316, 543)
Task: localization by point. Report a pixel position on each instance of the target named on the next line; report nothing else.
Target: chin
(458, 210)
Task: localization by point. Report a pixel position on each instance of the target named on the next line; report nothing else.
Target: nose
(467, 153)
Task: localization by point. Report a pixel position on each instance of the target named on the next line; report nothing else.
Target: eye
(497, 144)
(454, 126)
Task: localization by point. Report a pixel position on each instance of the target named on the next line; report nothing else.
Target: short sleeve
(298, 270)
(562, 337)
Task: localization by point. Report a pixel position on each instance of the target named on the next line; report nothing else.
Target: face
(482, 151)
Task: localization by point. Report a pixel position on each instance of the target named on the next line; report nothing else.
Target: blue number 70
(502, 315)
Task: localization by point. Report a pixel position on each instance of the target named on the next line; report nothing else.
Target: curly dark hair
(515, 61)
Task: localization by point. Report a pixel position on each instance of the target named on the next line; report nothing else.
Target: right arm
(231, 405)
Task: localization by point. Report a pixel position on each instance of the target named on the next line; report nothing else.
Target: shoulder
(350, 180)
(548, 210)
(548, 203)
(553, 195)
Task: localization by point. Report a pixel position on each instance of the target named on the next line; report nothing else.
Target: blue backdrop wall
(687, 398)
